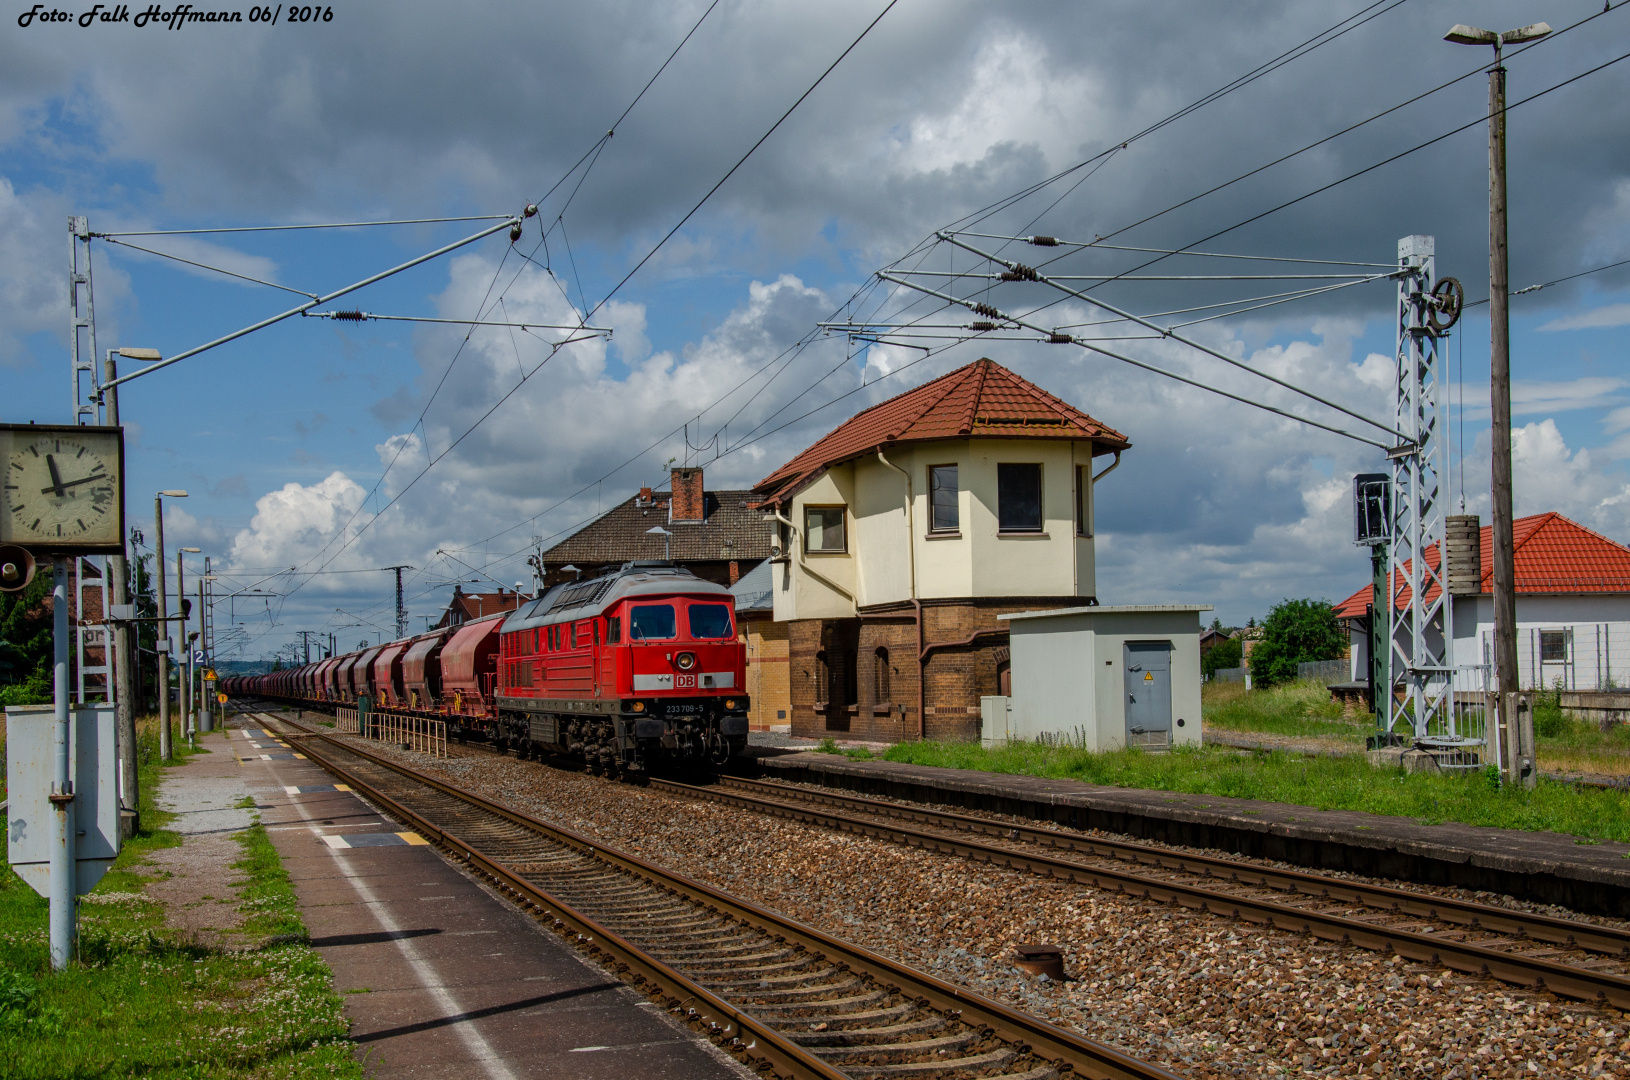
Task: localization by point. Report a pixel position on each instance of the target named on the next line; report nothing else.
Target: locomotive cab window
(710, 621)
(614, 629)
(651, 622)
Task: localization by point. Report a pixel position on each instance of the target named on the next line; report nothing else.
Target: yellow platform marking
(414, 839)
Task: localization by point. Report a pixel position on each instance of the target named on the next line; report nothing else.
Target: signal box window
(1018, 497)
(1083, 500)
(942, 498)
(651, 622)
(710, 621)
(823, 529)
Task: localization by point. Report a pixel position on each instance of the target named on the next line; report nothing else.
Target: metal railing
(345, 722)
(1325, 670)
(410, 732)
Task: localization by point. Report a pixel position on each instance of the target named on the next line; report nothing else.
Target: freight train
(635, 670)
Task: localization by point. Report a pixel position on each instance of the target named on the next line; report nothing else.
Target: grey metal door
(1148, 693)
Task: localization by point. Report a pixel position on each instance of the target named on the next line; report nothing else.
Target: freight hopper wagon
(635, 670)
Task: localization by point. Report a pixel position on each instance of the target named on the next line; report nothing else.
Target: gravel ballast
(1201, 994)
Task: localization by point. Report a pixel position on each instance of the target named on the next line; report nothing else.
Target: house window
(880, 661)
(1553, 646)
(823, 528)
(1083, 500)
(942, 498)
(1018, 497)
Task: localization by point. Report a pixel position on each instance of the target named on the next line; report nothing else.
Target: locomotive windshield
(651, 622)
(710, 621)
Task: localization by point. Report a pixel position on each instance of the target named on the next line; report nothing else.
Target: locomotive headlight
(685, 660)
(729, 703)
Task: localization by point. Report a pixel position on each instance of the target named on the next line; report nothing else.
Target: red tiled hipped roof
(1552, 555)
(983, 400)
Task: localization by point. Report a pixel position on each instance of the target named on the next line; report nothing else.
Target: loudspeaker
(16, 568)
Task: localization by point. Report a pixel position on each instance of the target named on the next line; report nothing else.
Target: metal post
(184, 665)
(203, 698)
(1505, 573)
(1417, 600)
(124, 668)
(62, 916)
(166, 748)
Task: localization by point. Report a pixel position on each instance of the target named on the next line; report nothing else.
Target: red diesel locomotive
(633, 670)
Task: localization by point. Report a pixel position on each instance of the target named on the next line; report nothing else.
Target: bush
(1224, 654)
(1295, 632)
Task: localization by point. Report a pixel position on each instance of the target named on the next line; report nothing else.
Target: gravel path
(1206, 996)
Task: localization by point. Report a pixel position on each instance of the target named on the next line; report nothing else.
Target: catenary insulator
(1044, 241)
(982, 326)
(987, 310)
(347, 316)
(1060, 339)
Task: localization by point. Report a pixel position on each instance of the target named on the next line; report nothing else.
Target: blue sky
(397, 111)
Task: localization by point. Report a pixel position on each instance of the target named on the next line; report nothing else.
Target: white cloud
(292, 523)
(1529, 398)
(1595, 318)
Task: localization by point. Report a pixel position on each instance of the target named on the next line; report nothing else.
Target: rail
(1465, 936)
(465, 824)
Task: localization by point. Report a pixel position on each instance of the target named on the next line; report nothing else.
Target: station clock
(63, 488)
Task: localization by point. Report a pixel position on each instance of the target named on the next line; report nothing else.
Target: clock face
(62, 488)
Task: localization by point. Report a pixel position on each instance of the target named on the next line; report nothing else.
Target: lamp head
(177, 494)
(657, 530)
(1461, 34)
(139, 354)
(192, 551)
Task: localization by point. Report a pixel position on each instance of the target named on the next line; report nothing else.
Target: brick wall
(882, 657)
(767, 672)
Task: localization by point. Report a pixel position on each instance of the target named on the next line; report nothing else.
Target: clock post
(62, 497)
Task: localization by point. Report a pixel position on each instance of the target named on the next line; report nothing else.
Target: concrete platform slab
(1552, 868)
(442, 977)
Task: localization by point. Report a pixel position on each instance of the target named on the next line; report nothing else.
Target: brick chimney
(687, 495)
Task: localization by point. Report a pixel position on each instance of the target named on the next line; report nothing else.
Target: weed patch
(138, 1003)
(1324, 783)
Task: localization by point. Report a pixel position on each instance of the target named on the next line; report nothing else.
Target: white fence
(1569, 656)
(410, 732)
(345, 722)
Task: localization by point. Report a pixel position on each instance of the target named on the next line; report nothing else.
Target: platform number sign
(63, 489)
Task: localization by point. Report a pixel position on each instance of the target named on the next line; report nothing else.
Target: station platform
(1551, 868)
(441, 977)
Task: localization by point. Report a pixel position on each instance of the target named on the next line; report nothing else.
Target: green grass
(1324, 783)
(1302, 709)
(139, 1003)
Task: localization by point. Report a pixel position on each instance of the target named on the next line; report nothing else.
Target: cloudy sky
(328, 446)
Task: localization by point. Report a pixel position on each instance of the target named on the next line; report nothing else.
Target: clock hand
(56, 480)
(69, 483)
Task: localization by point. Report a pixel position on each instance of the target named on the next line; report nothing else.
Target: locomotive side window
(614, 630)
(651, 622)
(710, 621)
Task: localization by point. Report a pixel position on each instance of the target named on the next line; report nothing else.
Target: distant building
(467, 606)
(767, 675)
(903, 534)
(1573, 607)
(713, 534)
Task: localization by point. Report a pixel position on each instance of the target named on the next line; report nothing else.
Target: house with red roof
(898, 538)
(1573, 607)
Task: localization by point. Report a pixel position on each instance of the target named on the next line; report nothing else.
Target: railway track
(1572, 959)
(782, 996)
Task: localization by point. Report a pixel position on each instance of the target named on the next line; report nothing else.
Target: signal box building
(898, 539)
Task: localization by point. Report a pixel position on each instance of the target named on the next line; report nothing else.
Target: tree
(25, 644)
(1216, 624)
(1295, 632)
(1224, 654)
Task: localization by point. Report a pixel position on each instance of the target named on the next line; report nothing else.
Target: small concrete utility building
(1102, 678)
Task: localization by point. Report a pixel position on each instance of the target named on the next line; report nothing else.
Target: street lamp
(162, 643)
(1505, 584)
(658, 530)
